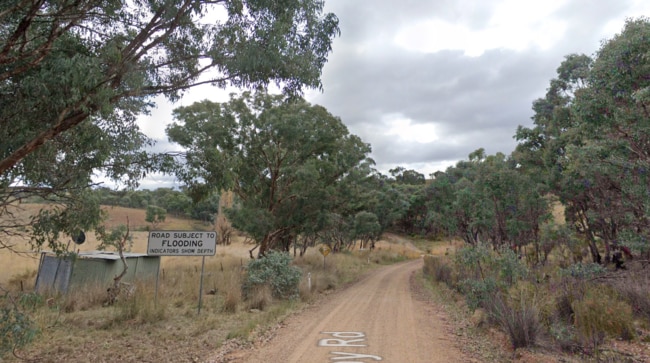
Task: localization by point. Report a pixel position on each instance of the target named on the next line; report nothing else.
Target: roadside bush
(436, 268)
(599, 314)
(565, 336)
(472, 262)
(478, 292)
(635, 290)
(276, 271)
(16, 327)
(569, 290)
(583, 271)
(509, 267)
(232, 295)
(481, 262)
(519, 318)
(259, 297)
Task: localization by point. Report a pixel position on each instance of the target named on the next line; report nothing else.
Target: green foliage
(31, 301)
(284, 159)
(366, 228)
(483, 272)
(589, 143)
(479, 292)
(66, 216)
(17, 329)
(583, 270)
(117, 238)
(155, 214)
(275, 271)
(471, 261)
(403, 176)
(77, 75)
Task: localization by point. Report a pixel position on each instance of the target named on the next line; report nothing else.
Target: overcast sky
(426, 82)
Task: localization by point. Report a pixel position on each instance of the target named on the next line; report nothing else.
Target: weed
(519, 318)
(232, 294)
(17, 329)
(259, 297)
(601, 313)
(635, 289)
(439, 270)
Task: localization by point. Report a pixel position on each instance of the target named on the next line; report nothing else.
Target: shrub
(260, 297)
(16, 327)
(565, 336)
(583, 270)
(519, 318)
(509, 267)
(274, 270)
(472, 262)
(481, 262)
(232, 296)
(477, 292)
(636, 291)
(31, 301)
(599, 314)
(570, 290)
(437, 269)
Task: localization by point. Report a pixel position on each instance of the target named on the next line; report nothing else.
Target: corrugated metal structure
(97, 267)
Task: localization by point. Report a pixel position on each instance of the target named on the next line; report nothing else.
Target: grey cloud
(473, 101)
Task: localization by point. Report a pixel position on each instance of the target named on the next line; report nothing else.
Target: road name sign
(182, 243)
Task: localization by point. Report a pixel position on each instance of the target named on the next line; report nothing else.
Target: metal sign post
(324, 250)
(201, 285)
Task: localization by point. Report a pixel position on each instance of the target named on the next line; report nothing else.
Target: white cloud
(405, 131)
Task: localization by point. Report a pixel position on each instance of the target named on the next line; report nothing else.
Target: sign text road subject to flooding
(182, 243)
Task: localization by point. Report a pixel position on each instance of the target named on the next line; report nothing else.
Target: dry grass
(167, 326)
(25, 264)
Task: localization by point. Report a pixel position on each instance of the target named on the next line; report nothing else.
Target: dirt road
(377, 319)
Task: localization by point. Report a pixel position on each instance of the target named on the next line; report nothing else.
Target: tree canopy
(74, 75)
(283, 159)
(591, 139)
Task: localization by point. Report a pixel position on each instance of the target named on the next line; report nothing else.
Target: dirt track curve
(376, 319)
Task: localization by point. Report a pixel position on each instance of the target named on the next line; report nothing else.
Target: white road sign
(182, 243)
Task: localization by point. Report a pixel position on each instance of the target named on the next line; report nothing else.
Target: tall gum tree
(74, 74)
(283, 160)
(591, 138)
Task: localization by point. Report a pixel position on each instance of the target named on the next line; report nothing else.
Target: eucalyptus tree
(283, 160)
(411, 185)
(440, 198)
(493, 202)
(366, 229)
(545, 151)
(614, 112)
(74, 75)
(401, 175)
(591, 138)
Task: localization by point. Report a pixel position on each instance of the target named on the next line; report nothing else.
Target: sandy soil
(377, 319)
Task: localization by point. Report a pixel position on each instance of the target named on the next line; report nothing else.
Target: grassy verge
(167, 326)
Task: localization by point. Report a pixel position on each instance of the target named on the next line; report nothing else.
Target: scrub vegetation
(287, 177)
(239, 304)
